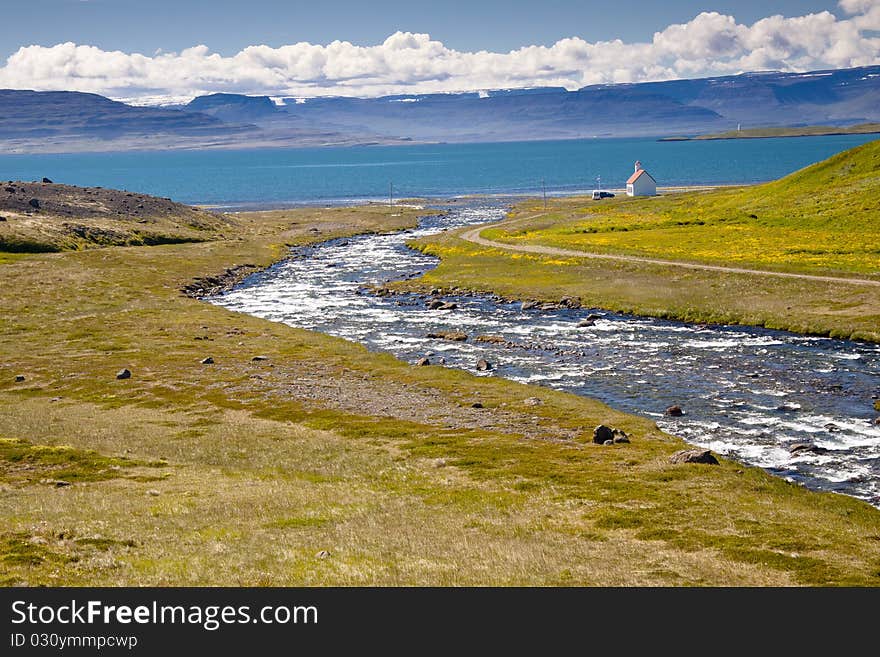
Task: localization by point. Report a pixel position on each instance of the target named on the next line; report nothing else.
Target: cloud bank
(710, 44)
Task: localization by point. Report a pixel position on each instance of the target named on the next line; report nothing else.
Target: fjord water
(747, 393)
(283, 177)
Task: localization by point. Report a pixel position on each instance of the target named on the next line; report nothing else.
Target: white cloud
(710, 44)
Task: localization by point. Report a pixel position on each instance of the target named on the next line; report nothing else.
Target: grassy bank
(323, 463)
(824, 220)
(799, 131)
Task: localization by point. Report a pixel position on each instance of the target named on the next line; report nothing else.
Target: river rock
(593, 317)
(877, 421)
(449, 305)
(586, 322)
(798, 448)
(603, 435)
(694, 456)
(434, 304)
(124, 373)
(492, 339)
(674, 411)
(529, 305)
(421, 362)
(208, 361)
(19, 378)
(455, 336)
(483, 365)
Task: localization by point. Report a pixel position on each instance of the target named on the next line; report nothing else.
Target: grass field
(800, 131)
(326, 464)
(823, 220)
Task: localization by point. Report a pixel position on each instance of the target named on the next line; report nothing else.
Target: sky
(155, 51)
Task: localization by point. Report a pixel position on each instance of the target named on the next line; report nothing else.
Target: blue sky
(227, 26)
(165, 51)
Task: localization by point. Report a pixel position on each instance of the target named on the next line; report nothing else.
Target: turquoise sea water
(278, 177)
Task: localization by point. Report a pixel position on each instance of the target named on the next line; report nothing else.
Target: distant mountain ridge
(57, 121)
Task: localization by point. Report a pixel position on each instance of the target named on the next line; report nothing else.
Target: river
(747, 393)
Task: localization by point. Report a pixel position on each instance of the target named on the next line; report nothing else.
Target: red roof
(636, 175)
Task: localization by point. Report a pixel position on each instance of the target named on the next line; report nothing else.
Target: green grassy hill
(40, 217)
(822, 219)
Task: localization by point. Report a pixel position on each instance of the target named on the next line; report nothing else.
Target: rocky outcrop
(605, 435)
(208, 286)
(703, 456)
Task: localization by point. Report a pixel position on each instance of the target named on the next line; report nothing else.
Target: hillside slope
(43, 217)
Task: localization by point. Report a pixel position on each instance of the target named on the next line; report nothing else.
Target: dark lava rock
(476, 405)
(483, 365)
(46, 180)
(797, 448)
(674, 411)
(421, 362)
(123, 374)
(259, 358)
(694, 456)
(19, 378)
(603, 435)
(34, 203)
(2, 218)
(208, 361)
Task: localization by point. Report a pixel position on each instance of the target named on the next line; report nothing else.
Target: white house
(641, 183)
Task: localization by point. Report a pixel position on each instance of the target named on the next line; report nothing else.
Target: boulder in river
(799, 448)
(421, 362)
(529, 305)
(124, 373)
(586, 322)
(483, 365)
(674, 411)
(455, 336)
(694, 456)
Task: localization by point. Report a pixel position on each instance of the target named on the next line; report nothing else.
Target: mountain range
(59, 121)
